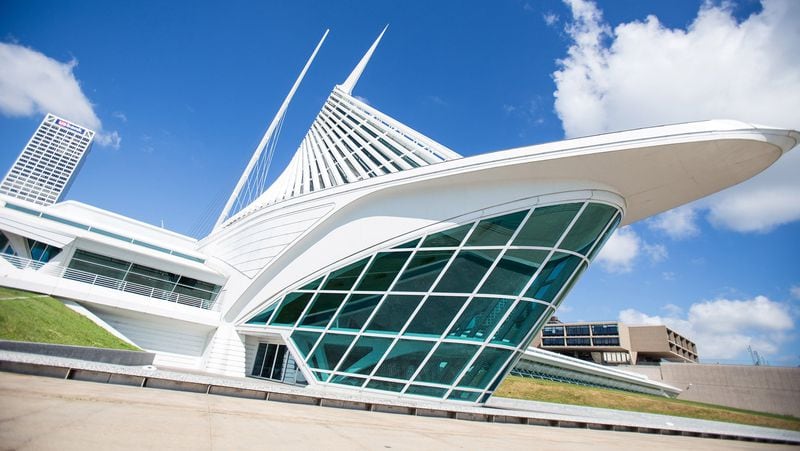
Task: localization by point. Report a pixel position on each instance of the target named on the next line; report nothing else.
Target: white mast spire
(267, 136)
(351, 81)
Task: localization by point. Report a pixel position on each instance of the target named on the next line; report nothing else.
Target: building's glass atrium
(447, 314)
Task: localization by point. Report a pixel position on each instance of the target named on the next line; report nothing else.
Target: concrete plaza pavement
(45, 413)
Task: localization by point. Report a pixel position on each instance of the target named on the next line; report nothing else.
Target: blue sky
(181, 93)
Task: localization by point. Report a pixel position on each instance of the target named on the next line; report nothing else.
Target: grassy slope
(39, 318)
(547, 391)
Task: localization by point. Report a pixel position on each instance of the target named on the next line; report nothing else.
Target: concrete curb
(197, 385)
(113, 356)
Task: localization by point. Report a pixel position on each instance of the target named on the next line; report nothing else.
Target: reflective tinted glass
(496, 231)
(546, 225)
(513, 271)
(422, 271)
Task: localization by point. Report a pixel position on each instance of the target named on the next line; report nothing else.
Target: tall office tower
(45, 168)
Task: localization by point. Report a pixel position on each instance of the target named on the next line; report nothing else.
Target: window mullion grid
(600, 236)
(472, 297)
(517, 354)
(523, 344)
(341, 306)
(424, 300)
(553, 250)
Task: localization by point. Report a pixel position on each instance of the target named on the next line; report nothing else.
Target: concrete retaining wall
(114, 356)
(761, 388)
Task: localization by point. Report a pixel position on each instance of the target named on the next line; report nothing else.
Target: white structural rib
(267, 136)
(347, 142)
(351, 141)
(350, 83)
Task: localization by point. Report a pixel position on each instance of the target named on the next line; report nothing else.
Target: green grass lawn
(557, 392)
(26, 316)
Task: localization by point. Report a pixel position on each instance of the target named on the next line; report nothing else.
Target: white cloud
(32, 83)
(642, 73)
(550, 18)
(620, 251)
(795, 291)
(723, 328)
(623, 249)
(120, 115)
(678, 223)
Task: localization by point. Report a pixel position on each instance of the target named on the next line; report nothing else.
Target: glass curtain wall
(444, 315)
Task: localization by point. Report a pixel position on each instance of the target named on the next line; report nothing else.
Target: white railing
(77, 275)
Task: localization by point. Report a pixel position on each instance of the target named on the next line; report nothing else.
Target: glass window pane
(570, 284)
(461, 395)
(329, 351)
(393, 313)
(344, 278)
(259, 360)
(304, 341)
(364, 355)
(383, 270)
(313, 285)
(348, 380)
(496, 231)
(322, 377)
(606, 235)
(479, 318)
(485, 368)
(404, 359)
(466, 271)
(386, 386)
(421, 390)
(519, 323)
(435, 315)
(262, 317)
(446, 362)
(546, 225)
(448, 238)
(408, 245)
(291, 308)
(323, 309)
(513, 271)
(588, 228)
(422, 271)
(553, 276)
(355, 312)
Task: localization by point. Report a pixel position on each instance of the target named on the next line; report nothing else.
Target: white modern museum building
(379, 260)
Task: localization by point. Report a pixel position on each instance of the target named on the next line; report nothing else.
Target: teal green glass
(435, 315)
(446, 362)
(329, 351)
(485, 368)
(479, 318)
(553, 276)
(304, 341)
(546, 225)
(393, 314)
(356, 311)
(422, 271)
(348, 380)
(364, 355)
(404, 359)
(513, 271)
(587, 228)
(344, 278)
(386, 386)
(461, 395)
(382, 271)
(466, 271)
(421, 390)
(322, 310)
(291, 308)
(262, 317)
(496, 231)
(519, 322)
(448, 238)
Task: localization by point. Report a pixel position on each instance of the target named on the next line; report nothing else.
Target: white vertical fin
(267, 136)
(351, 81)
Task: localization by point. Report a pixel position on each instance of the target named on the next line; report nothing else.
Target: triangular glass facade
(444, 315)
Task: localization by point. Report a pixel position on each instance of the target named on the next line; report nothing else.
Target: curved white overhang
(652, 170)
